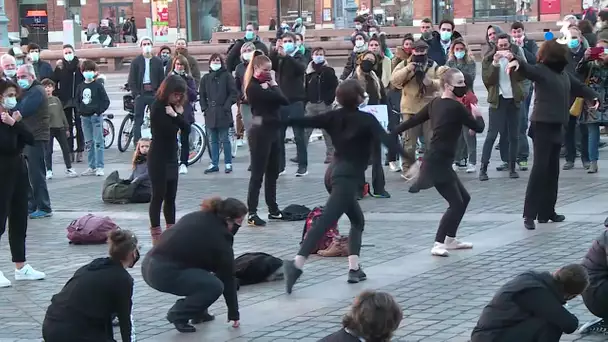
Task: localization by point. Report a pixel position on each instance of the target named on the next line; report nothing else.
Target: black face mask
(367, 66)
(459, 91)
(418, 58)
(137, 256)
(235, 228)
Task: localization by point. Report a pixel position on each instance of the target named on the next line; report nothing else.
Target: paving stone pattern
(441, 298)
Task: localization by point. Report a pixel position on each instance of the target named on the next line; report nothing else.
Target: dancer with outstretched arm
(352, 132)
(447, 115)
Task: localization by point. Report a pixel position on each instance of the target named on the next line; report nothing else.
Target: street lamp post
(4, 41)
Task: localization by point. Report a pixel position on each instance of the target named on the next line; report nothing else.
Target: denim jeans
(220, 136)
(38, 192)
(594, 141)
(294, 110)
(141, 102)
(92, 127)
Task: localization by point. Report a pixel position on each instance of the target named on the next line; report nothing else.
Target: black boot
(529, 223)
(184, 327)
(512, 171)
(483, 172)
(204, 317)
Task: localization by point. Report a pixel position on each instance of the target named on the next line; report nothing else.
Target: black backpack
(255, 268)
(295, 212)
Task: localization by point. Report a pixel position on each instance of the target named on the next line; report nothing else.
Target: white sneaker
(88, 172)
(454, 243)
(439, 249)
(49, 174)
(71, 173)
(471, 168)
(239, 143)
(282, 173)
(183, 169)
(4, 282)
(455, 167)
(393, 166)
(99, 172)
(28, 273)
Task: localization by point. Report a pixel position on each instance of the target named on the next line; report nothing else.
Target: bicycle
(198, 143)
(108, 131)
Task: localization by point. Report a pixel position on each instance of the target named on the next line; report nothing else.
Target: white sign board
(380, 112)
(68, 32)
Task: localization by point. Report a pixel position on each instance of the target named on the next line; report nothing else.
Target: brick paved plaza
(441, 297)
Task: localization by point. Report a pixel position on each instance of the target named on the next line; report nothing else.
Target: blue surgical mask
(10, 73)
(445, 35)
(24, 84)
(19, 62)
(9, 102)
(573, 43)
(68, 57)
(215, 66)
(318, 59)
(249, 35)
(88, 75)
(289, 47)
(459, 54)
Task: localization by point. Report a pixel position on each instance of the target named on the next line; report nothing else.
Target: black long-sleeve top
(265, 102)
(91, 297)
(14, 138)
(164, 128)
(202, 240)
(352, 133)
(447, 117)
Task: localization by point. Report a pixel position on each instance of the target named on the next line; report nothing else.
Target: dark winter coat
(68, 78)
(436, 51)
(239, 76)
(234, 55)
(192, 62)
(192, 96)
(217, 95)
(290, 72)
(43, 70)
(321, 83)
(596, 263)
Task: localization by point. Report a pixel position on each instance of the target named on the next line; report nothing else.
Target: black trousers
(58, 134)
(265, 147)
(378, 180)
(13, 203)
(458, 199)
(570, 140)
(541, 193)
(531, 330)
(141, 101)
(394, 118)
(164, 191)
(53, 331)
(74, 122)
(342, 200)
(504, 120)
(596, 299)
(185, 149)
(199, 287)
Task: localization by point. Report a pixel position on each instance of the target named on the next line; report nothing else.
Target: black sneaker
(294, 160)
(596, 326)
(205, 317)
(184, 327)
(355, 276)
(555, 218)
(503, 167)
(301, 172)
(529, 223)
(275, 215)
(255, 220)
(513, 174)
(291, 273)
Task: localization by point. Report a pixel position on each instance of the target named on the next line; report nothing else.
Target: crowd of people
(428, 82)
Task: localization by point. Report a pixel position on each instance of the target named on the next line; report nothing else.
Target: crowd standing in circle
(429, 81)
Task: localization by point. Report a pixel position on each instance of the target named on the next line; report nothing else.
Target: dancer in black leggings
(447, 115)
(165, 120)
(352, 133)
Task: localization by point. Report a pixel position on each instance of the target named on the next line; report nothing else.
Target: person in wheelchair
(137, 188)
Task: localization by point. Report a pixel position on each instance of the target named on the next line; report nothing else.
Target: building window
(292, 9)
(205, 18)
(494, 9)
(392, 12)
(249, 12)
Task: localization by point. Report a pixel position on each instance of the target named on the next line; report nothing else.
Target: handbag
(577, 107)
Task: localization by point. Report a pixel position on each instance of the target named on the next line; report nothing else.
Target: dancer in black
(165, 120)
(352, 133)
(265, 99)
(447, 115)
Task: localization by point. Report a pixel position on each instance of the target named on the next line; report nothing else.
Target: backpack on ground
(254, 268)
(327, 237)
(295, 212)
(90, 229)
(116, 190)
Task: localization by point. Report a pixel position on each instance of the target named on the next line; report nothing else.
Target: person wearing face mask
(83, 309)
(181, 48)
(375, 32)
(360, 41)
(447, 116)
(303, 49)
(195, 260)
(43, 68)
(321, 84)
(165, 55)
(403, 52)
(68, 76)
(234, 56)
(146, 73)
(217, 95)
(18, 54)
(8, 64)
(439, 45)
(299, 27)
(181, 68)
(244, 109)
(360, 27)
(427, 32)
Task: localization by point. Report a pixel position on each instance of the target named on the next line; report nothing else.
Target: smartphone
(595, 53)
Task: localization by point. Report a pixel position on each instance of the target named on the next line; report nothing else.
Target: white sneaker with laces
(393, 166)
(71, 173)
(439, 249)
(455, 167)
(471, 168)
(4, 282)
(28, 273)
(99, 172)
(49, 174)
(183, 169)
(454, 243)
(88, 172)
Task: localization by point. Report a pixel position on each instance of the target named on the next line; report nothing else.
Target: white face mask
(247, 56)
(359, 43)
(147, 49)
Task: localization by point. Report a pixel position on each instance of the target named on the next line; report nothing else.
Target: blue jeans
(92, 127)
(220, 136)
(38, 195)
(594, 141)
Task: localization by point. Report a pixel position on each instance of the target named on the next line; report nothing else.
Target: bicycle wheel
(198, 144)
(108, 133)
(125, 133)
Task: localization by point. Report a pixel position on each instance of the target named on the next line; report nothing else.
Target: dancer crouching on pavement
(15, 182)
(447, 116)
(265, 99)
(84, 308)
(166, 118)
(195, 260)
(352, 133)
(554, 87)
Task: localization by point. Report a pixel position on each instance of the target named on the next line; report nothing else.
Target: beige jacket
(403, 79)
(386, 71)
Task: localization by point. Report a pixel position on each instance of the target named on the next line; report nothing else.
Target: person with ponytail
(194, 259)
(265, 98)
(83, 309)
